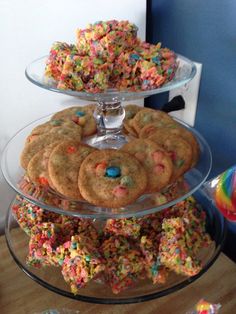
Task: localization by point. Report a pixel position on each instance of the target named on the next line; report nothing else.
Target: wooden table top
(20, 294)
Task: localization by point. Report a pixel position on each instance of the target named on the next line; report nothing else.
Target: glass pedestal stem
(109, 117)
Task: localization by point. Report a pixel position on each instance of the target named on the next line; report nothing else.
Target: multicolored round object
(204, 307)
(111, 178)
(225, 194)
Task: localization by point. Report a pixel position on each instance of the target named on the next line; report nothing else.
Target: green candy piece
(179, 163)
(126, 181)
(56, 122)
(147, 118)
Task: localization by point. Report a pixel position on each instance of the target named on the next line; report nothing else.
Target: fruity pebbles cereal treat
(108, 54)
(44, 239)
(118, 252)
(82, 263)
(124, 263)
(57, 56)
(106, 39)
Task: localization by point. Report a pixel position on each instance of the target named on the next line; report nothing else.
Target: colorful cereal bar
(45, 237)
(173, 250)
(124, 263)
(82, 262)
(57, 56)
(86, 237)
(127, 227)
(125, 251)
(108, 54)
(84, 73)
(29, 215)
(48, 241)
(106, 39)
(154, 269)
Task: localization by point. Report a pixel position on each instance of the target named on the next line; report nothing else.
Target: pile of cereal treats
(125, 251)
(108, 54)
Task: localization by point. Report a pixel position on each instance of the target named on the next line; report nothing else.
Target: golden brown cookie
(155, 161)
(63, 167)
(37, 168)
(55, 126)
(179, 151)
(111, 178)
(36, 145)
(83, 116)
(130, 112)
(147, 116)
(70, 132)
(176, 129)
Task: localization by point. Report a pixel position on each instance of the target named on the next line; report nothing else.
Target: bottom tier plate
(94, 292)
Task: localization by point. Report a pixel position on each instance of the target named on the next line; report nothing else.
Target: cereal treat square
(85, 73)
(85, 232)
(174, 251)
(45, 238)
(194, 219)
(27, 215)
(57, 56)
(154, 269)
(106, 39)
(144, 67)
(127, 227)
(82, 263)
(124, 263)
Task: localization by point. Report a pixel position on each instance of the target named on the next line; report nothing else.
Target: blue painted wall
(204, 31)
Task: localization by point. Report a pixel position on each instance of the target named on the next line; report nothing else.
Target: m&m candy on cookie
(111, 178)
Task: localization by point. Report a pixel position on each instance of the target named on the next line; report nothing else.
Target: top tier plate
(185, 72)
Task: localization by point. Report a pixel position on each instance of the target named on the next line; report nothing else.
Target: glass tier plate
(144, 290)
(185, 72)
(50, 200)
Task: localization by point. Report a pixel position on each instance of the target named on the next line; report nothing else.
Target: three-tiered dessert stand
(109, 114)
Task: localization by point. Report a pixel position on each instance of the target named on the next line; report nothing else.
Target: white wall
(27, 30)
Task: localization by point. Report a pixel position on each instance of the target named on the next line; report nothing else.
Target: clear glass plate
(50, 200)
(35, 73)
(144, 290)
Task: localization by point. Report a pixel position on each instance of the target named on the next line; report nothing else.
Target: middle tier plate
(146, 204)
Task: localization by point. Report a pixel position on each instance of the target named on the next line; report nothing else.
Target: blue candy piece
(113, 172)
(73, 245)
(135, 56)
(156, 60)
(80, 113)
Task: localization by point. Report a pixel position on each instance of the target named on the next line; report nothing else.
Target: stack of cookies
(158, 153)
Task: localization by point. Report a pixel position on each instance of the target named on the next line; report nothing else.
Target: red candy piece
(159, 169)
(71, 149)
(43, 181)
(120, 191)
(75, 119)
(172, 155)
